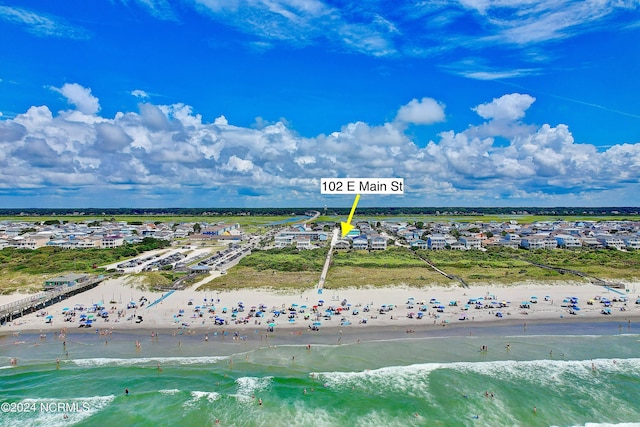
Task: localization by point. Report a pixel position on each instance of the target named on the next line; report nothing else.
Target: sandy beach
(128, 308)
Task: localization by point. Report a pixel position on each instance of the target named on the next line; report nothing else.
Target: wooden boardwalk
(38, 301)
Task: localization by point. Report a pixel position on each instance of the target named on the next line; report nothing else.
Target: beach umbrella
(317, 323)
(292, 320)
(83, 316)
(304, 306)
(65, 309)
(49, 317)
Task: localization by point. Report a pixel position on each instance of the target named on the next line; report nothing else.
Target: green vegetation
(503, 265)
(290, 269)
(394, 257)
(241, 277)
(345, 277)
(26, 269)
(286, 259)
(53, 260)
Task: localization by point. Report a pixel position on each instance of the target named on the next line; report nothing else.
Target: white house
(533, 243)
(378, 243)
(568, 241)
(471, 242)
(631, 242)
(436, 242)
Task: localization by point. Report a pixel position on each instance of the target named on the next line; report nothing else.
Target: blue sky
(242, 103)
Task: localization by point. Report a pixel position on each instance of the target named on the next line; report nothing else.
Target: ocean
(577, 374)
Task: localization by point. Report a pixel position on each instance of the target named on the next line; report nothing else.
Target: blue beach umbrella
(49, 317)
(317, 323)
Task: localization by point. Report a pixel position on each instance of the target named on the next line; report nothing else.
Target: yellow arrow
(346, 226)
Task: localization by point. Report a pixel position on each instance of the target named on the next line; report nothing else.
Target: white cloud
(41, 25)
(160, 9)
(138, 93)
(80, 97)
(423, 112)
(524, 21)
(235, 163)
(305, 22)
(169, 150)
(508, 107)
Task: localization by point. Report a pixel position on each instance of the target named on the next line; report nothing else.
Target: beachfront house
(436, 242)
(378, 243)
(67, 280)
(533, 243)
(342, 244)
(111, 241)
(631, 242)
(419, 244)
(471, 242)
(610, 241)
(360, 243)
(568, 241)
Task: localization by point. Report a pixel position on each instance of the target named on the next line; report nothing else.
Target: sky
(249, 103)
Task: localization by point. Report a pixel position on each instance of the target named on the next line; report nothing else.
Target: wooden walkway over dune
(41, 300)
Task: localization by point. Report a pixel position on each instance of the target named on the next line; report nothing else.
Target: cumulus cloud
(507, 107)
(166, 154)
(80, 97)
(423, 112)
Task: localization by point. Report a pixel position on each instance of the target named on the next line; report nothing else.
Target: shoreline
(194, 312)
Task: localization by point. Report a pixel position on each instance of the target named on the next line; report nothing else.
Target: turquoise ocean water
(395, 379)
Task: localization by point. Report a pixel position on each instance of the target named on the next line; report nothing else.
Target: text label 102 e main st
(362, 186)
